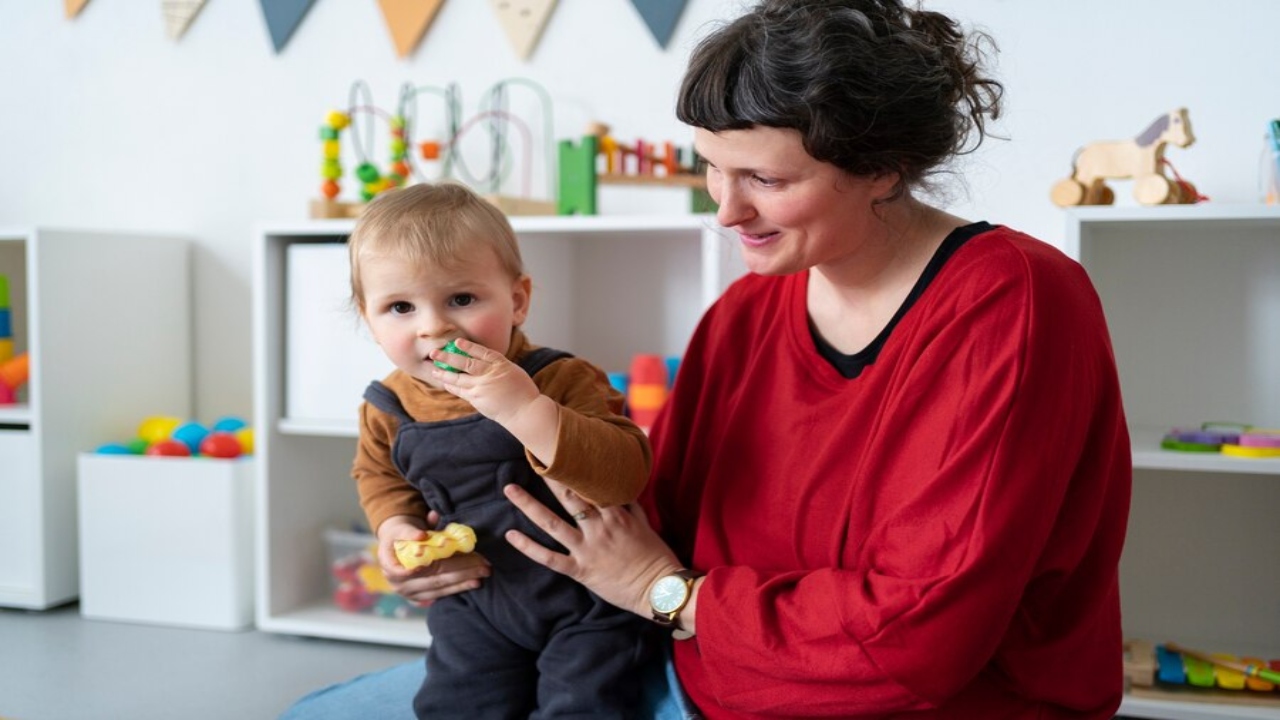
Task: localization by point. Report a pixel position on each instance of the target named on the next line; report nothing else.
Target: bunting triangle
(283, 17)
(523, 20)
(73, 7)
(408, 21)
(661, 16)
(178, 15)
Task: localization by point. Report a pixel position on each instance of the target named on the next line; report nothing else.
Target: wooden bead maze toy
(1140, 159)
(444, 151)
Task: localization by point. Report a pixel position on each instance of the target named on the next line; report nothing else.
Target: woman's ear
(521, 292)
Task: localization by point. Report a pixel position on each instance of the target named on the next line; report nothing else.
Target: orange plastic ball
(330, 189)
(430, 150)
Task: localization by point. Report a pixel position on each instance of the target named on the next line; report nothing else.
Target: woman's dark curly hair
(872, 86)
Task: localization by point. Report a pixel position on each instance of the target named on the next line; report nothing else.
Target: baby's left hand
(497, 388)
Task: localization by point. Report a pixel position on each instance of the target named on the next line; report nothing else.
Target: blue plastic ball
(229, 423)
(190, 434)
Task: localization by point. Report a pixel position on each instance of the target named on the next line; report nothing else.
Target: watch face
(668, 594)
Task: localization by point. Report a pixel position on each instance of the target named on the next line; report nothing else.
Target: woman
(894, 475)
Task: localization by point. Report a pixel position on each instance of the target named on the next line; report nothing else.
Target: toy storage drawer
(329, 356)
(19, 505)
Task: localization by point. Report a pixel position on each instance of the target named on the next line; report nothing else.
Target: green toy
(451, 348)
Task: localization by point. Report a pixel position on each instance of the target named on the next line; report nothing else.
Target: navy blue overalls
(529, 643)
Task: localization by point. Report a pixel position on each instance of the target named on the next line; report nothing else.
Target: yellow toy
(1141, 159)
(454, 538)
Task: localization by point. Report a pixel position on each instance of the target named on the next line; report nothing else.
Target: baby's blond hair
(435, 224)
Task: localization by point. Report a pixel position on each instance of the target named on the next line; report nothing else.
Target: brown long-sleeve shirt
(600, 454)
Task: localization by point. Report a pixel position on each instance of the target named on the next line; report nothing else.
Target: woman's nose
(734, 209)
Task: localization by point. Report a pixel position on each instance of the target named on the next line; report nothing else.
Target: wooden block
(1139, 663)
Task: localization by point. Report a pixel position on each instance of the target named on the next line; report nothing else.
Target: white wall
(106, 123)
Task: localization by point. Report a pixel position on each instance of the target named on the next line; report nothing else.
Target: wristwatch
(670, 594)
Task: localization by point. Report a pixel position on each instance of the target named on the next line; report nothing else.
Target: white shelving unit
(1192, 296)
(605, 288)
(105, 318)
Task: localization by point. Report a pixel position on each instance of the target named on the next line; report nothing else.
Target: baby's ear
(521, 293)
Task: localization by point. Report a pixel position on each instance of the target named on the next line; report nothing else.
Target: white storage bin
(166, 540)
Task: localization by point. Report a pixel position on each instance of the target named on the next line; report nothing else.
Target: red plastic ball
(169, 448)
(220, 445)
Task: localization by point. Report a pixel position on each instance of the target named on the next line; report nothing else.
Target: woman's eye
(400, 308)
(462, 300)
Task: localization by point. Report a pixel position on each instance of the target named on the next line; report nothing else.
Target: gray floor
(55, 665)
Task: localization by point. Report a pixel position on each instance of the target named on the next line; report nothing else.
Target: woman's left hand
(612, 551)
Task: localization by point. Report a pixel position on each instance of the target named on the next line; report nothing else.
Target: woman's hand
(612, 551)
(423, 585)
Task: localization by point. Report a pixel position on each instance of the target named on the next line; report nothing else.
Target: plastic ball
(331, 170)
(220, 445)
(157, 428)
(169, 448)
(337, 119)
(114, 449)
(400, 168)
(330, 189)
(190, 434)
(332, 149)
(397, 148)
(7, 395)
(137, 446)
(228, 423)
(245, 436)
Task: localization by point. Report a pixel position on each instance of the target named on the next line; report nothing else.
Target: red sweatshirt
(940, 534)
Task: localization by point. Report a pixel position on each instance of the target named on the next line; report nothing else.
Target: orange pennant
(408, 21)
(73, 7)
(523, 20)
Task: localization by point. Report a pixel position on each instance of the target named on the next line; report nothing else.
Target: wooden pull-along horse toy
(1141, 159)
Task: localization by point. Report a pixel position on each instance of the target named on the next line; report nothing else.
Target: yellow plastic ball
(157, 427)
(245, 436)
(332, 149)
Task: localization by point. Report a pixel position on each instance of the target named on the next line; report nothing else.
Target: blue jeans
(388, 695)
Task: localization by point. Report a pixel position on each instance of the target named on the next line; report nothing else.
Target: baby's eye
(765, 181)
(400, 308)
(462, 299)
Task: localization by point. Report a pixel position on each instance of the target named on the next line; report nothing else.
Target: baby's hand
(395, 529)
(496, 387)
